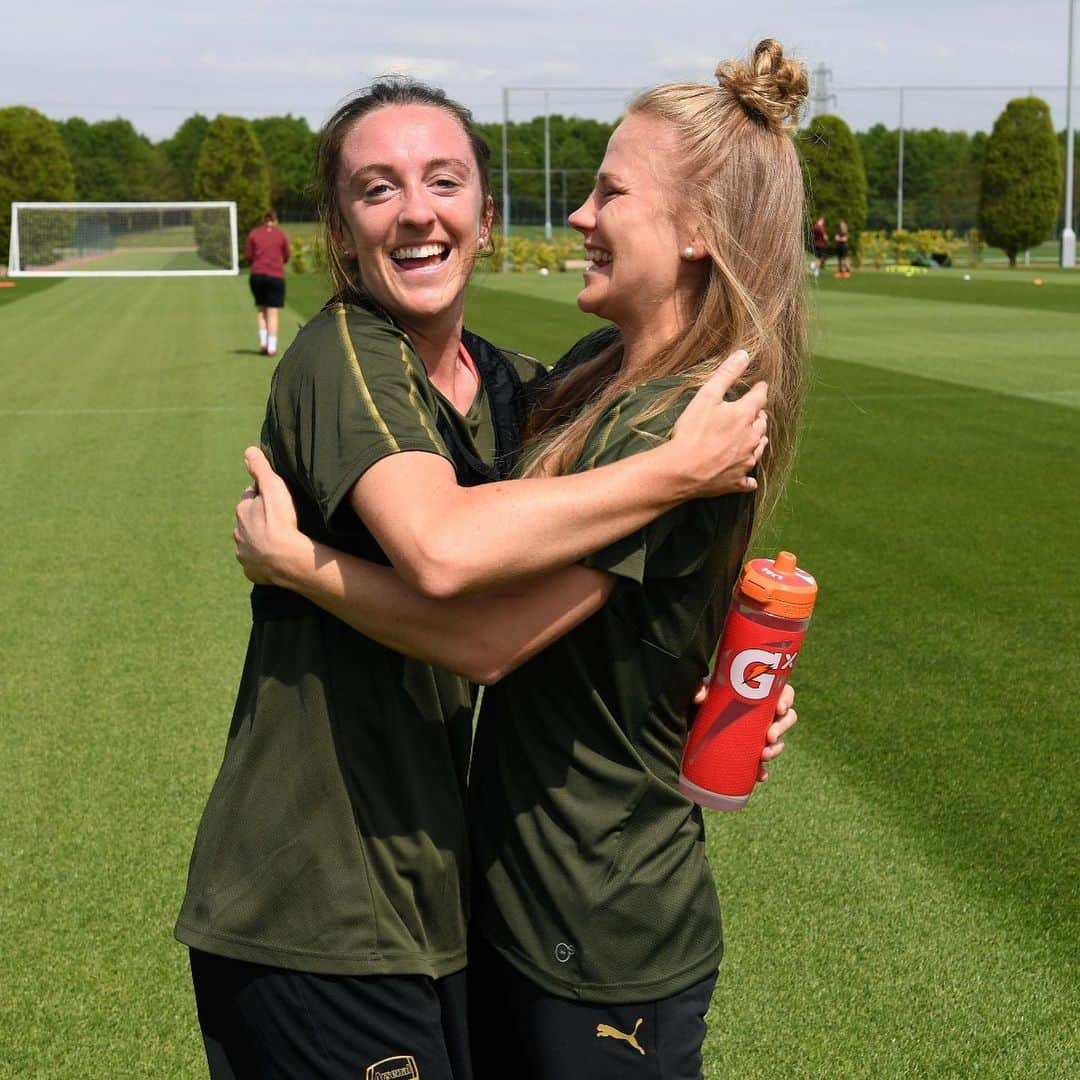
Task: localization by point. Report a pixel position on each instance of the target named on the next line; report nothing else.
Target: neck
(439, 348)
(436, 339)
(642, 340)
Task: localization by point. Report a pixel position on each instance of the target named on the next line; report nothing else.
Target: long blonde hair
(742, 184)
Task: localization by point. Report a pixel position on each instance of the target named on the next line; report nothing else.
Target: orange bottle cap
(779, 587)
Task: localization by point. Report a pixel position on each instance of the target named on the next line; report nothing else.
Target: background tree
(34, 164)
(835, 176)
(879, 147)
(289, 146)
(114, 163)
(942, 173)
(232, 166)
(577, 148)
(943, 180)
(1021, 178)
(182, 152)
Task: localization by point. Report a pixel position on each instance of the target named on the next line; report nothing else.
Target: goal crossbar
(123, 239)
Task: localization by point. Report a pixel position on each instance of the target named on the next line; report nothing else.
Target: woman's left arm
(482, 636)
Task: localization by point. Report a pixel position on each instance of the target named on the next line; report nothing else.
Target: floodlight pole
(506, 181)
(1068, 237)
(547, 168)
(900, 168)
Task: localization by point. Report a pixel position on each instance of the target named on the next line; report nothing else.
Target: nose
(584, 217)
(416, 209)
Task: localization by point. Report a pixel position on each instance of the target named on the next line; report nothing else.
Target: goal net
(135, 239)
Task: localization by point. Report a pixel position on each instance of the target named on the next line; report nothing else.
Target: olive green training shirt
(590, 868)
(334, 837)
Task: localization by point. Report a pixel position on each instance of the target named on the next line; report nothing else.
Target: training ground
(900, 900)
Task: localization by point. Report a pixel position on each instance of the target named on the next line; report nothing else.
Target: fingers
(756, 397)
(256, 464)
(251, 492)
(733, 367)
(778, 728)
(785, 700)
(772, 751)
(786, 717)
(702, 692)
(728, 373)
(267, 482)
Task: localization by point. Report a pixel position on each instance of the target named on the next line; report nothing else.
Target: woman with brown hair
(325, 904)
(596, 928)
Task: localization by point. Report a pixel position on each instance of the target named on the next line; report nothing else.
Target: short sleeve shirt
(267, 250)
(590, 867)
(334, 837)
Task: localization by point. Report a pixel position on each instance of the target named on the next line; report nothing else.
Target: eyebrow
(379, 168)
(610, 177)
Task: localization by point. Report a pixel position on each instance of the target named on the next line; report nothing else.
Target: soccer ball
(967, 277)
(544, 271)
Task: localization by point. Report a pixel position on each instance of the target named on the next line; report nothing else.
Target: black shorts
(268, 291)
(841, 251)
(820, 253)
(262, 1022)
(518, 1030)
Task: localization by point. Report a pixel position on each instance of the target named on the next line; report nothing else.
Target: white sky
(155, 64)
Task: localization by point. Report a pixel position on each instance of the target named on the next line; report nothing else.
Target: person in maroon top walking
(821, 245)
(267, 250)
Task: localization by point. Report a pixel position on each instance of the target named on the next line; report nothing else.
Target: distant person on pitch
(267, 250)
(821, 245)
(843, 258)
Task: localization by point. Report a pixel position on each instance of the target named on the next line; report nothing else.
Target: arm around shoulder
(447, 540)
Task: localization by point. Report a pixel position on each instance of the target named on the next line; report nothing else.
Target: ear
(487, 216)
(696, 243)
(342, 238)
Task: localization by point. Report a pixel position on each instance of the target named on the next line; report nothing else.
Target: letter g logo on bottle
(752, 673)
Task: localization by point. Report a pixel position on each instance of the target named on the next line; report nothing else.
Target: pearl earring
(688, 252)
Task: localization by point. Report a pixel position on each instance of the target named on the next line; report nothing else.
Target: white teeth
(597, 256)
(422, 251)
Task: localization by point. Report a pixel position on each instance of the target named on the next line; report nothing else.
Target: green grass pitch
(900, 900)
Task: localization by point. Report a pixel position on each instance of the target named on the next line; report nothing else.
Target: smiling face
(637, 276)
(413, 211)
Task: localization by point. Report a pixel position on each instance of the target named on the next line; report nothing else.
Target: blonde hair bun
(770, 88)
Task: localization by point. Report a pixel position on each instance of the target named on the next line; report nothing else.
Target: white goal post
(124, 239)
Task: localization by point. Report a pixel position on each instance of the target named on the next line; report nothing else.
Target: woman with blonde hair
(595, 925)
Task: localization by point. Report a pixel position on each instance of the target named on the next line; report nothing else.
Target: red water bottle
(762, 636)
